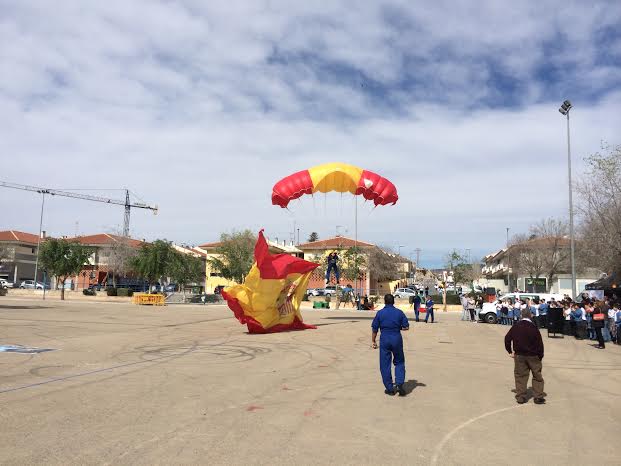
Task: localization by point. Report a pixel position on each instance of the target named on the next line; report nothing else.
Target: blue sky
(200, 107)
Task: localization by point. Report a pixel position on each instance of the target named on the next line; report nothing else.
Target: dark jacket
(526, 339)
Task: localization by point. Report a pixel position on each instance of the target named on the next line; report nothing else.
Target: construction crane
(56, 192)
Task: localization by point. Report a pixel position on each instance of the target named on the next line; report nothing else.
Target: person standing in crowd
(524, 344)
(543, 314)
(426, 291)
(471, 308)
(464, 305)
(599, 320)
(516, 311)
(617, 309)
(579, 315)
(611, 324)
(478, 306)
(391, 321)
(429, 306)
(504, 313)
(534, 310)
(416, 304)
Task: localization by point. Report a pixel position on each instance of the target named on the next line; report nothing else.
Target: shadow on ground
(410, 385)
(7, 306)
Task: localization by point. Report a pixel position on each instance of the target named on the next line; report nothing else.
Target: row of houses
(21, 253)
(497, 271)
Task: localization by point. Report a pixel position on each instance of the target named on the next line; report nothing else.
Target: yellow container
(149, 299)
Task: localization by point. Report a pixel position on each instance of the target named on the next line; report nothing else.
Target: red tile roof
(334, 243)
(104, 239)
(13, 235)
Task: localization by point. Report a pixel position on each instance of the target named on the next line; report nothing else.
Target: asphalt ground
(188, 385)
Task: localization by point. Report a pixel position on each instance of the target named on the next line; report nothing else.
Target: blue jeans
(429, 312)
(416, 311)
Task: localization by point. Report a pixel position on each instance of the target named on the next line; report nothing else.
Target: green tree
(185, 269)
(153, 260)
(313, 237)
(236, 255)
(63, 259)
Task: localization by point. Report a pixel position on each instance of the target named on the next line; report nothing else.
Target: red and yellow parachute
(270, 297)
(339, 177)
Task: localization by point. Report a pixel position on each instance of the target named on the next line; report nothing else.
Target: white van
(488, 313)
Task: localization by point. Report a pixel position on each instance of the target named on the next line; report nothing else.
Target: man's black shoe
(521, 401)
(539, 401)
(389, 392)
(401, 390)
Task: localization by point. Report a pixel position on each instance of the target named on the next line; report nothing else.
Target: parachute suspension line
(356, 251)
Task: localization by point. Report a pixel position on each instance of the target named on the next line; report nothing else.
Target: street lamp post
(43, 193)
(564, 110)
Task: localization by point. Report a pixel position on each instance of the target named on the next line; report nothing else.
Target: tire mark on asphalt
(96, 371)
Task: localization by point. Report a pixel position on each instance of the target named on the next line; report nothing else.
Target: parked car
(315, 291)
(405, 293)
(330, 290)
(170, 288)
(5, 283)
(30, 285)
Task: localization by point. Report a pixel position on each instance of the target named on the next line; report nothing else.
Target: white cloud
(201, 107)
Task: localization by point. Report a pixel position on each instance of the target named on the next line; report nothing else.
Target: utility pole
(508, 264)
(417, 262)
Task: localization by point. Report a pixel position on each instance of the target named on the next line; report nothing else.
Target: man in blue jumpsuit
(391, 321)
(429, 306)
(417, 302)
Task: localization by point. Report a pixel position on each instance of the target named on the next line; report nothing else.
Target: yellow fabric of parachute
(271, 302)
(339, 177)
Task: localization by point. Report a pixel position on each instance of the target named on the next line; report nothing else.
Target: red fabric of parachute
(381, 191)
(276, 266)
(292, 187)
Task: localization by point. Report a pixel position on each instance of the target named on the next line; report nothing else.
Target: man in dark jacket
(527, 352)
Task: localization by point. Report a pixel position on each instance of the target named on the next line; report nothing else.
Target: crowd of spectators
(583, 318)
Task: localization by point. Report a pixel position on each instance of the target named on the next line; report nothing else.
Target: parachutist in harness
(332, 261)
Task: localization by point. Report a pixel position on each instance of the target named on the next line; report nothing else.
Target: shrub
(305, 297)
(88, 292)
(123, 292)
(111, 291)
(3, 291)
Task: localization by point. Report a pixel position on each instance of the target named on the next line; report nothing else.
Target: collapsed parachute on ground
(339, 177)
(270, 297)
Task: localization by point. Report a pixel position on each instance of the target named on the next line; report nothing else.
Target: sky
(200, 107)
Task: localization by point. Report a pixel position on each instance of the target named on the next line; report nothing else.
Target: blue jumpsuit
(417, 301)
(390, 321)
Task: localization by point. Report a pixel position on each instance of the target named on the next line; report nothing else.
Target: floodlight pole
(565, 108)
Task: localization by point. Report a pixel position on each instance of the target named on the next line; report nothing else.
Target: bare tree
(544, 252)
(600, 209)
(120, 256)
(383, 265)
(5, 253)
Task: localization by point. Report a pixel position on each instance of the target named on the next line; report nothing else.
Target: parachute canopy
(269, 299)
(338, 177)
